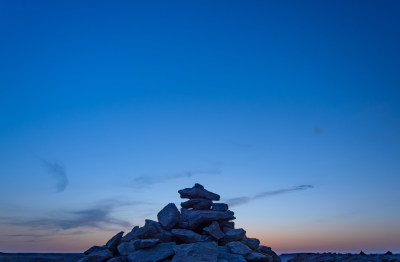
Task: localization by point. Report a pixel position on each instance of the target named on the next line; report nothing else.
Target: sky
(287, 109)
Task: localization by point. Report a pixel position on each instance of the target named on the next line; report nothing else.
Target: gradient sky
(290, 110)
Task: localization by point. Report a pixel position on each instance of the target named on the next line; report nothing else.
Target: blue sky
(108, 108)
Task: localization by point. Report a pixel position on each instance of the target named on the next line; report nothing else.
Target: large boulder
(191, 219)
(198, 191)
(144, 243)
(197, 203)
(214, 230)
(225, 256)
(125, 248)
(169, 216)
(219, 207)
(196, 252)
(158, 253)
(233, 235)
(252, 243)
(114, 242)
(153, 229)
(268, 251)
(239, 248)
(188, 236)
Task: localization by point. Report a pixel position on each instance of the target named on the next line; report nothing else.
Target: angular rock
(228, 257)
(219, 207)
(94, 249)
(114, 242)
(188, 236)
(197, 203)
(154, 254)
(225, 256)
(258, 257)
(169, 216)
(228, 225)
(191, 219)
(125, 248)
(153, 229)
(268, 251)
(214, 230)
(99, 256)
(233, 235)
(252, 243)
(145, 243)
(196, 252)
(198, 191)
(239, 248)
(116, 259)
(131, 235)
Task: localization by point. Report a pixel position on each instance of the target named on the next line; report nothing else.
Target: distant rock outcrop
(201, 232)
(328, 257)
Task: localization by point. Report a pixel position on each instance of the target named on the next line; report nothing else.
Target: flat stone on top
(198, 191)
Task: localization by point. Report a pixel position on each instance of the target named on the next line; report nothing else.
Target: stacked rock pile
(202, 231)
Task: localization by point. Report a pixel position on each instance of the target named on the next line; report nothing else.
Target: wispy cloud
(59, 174)
(99, 216)
(245, 199)
(148, 180)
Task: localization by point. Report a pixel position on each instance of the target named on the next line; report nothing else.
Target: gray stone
(94, 249)
(196, 252)
(131, 235)
(197, 203)
(198, 191)
(153, 229)
(145, 243)
(114, 242)
(116, 259)
(125, 248)
(219, 207)
(100, 256)
(225, 256)
(239, 248)
(169, 216)
(252, 243)
(188, 236)
(258, 257)
(268, 251)
(191, 219)
(214, 230)
(233, 235)
(157, 253)
(226, 225)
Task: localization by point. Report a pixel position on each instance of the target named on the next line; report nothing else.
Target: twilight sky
(290, 110)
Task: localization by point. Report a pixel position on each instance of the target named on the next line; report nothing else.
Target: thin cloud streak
(58, 172)
(99, 216)
(148, 180)
(245, 199)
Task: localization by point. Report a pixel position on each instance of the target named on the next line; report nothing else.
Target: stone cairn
(202, 231)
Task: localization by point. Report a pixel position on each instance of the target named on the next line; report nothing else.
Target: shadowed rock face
(202, 231)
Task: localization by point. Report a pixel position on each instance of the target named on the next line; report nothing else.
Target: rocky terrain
(333, 257)
(201, 231)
